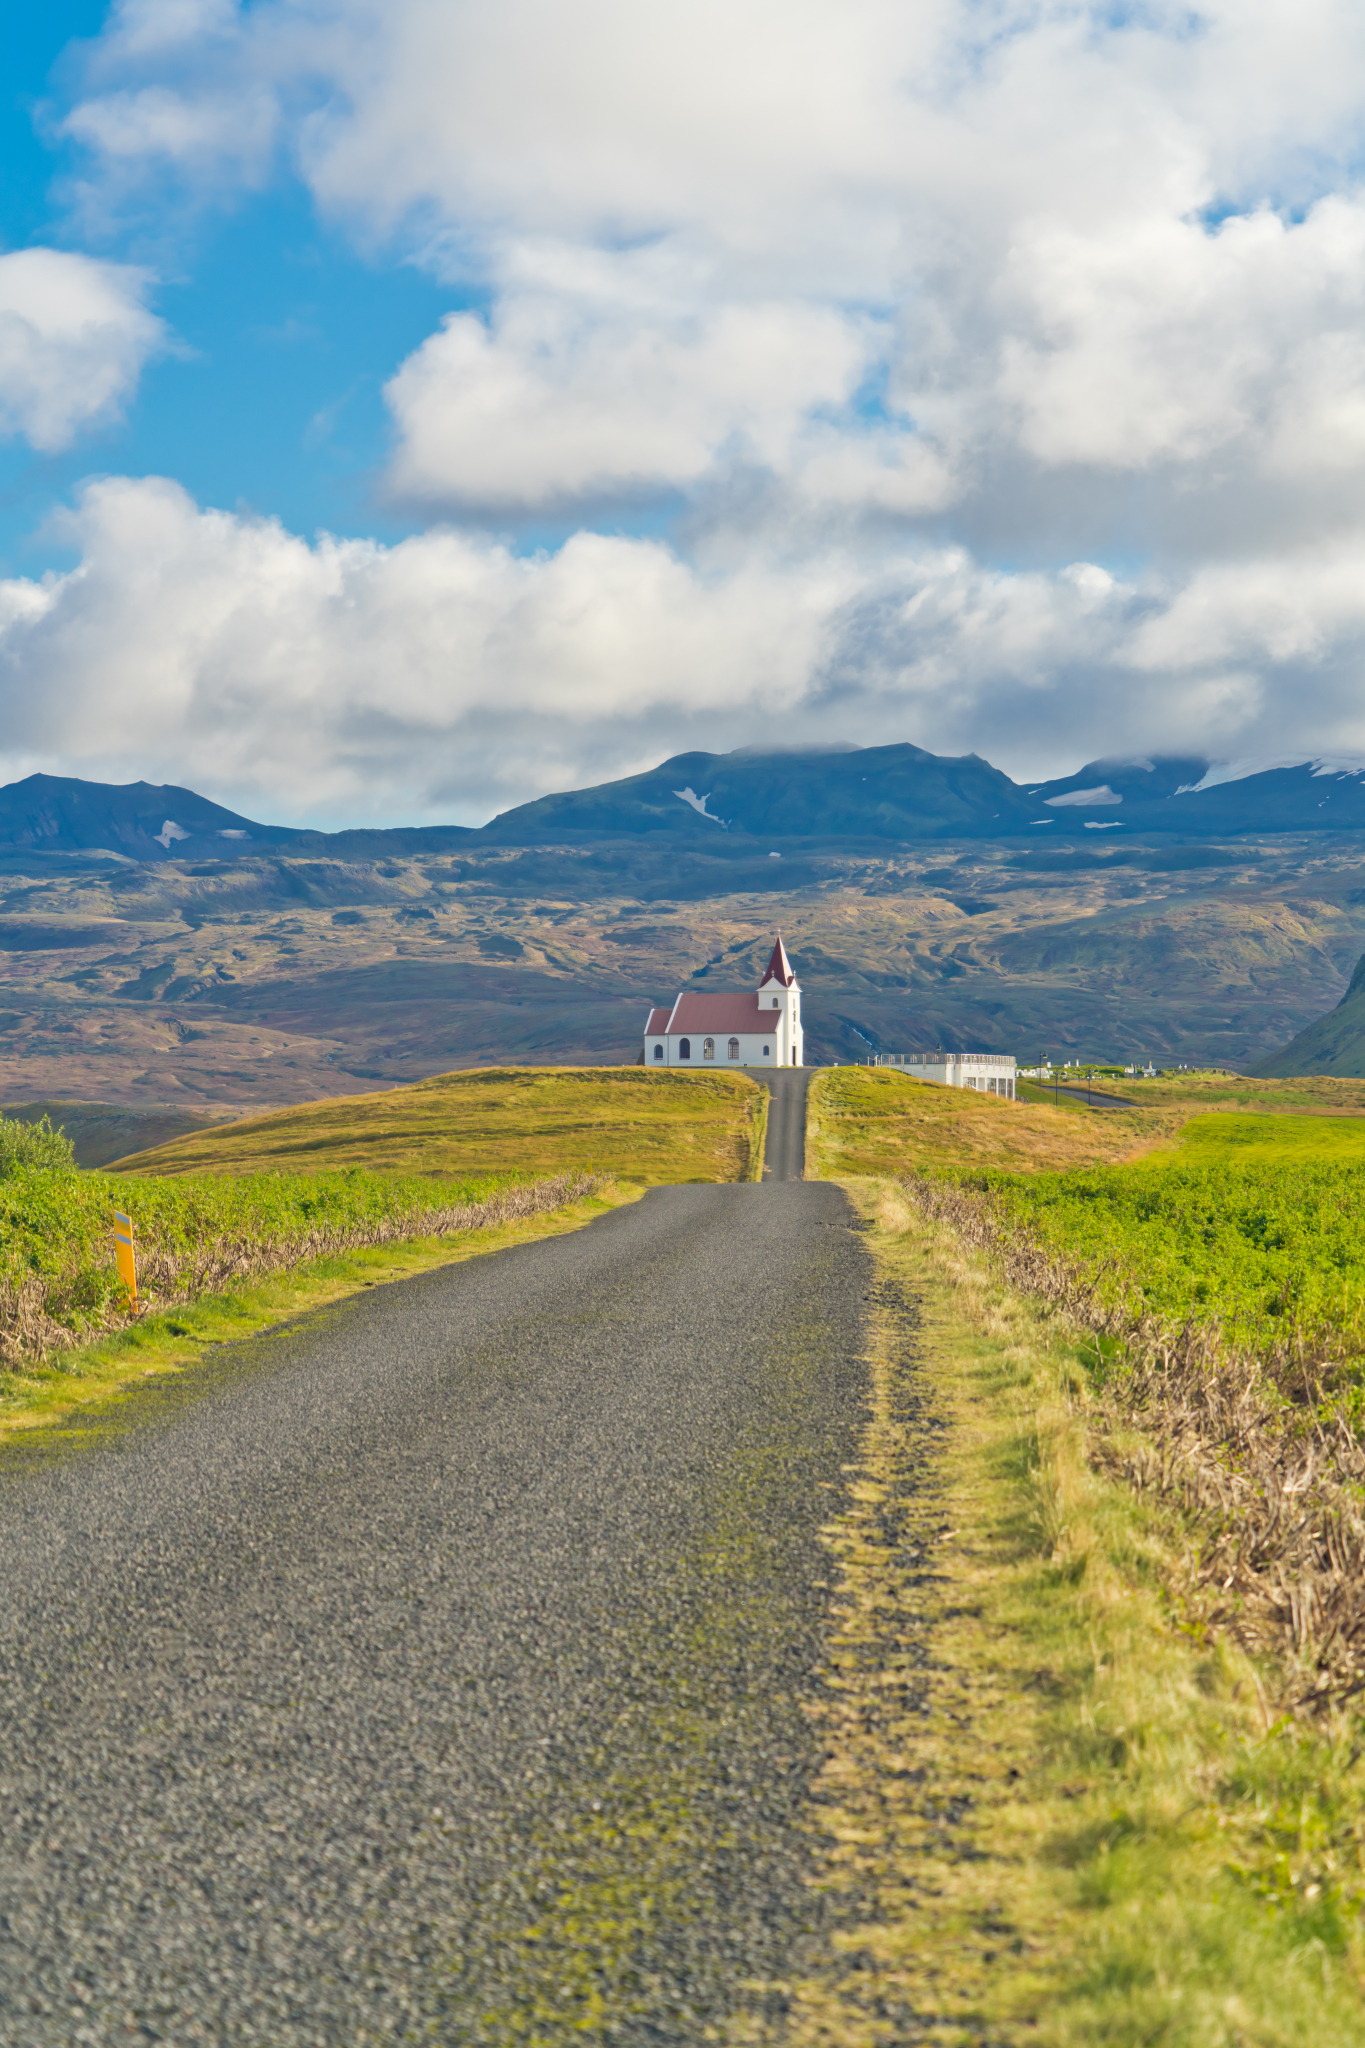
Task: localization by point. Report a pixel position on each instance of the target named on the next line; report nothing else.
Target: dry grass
(870, 1120)
(524, 1120)
(1251, 1445)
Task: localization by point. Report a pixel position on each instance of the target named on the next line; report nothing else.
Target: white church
(760, 1030)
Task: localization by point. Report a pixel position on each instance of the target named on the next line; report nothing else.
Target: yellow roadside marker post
(124, 1257)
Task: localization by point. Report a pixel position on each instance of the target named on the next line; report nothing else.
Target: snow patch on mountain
(1103, 795)
(1265, 764)
(699, 803)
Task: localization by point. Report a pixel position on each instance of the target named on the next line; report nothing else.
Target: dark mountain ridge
(898, 793)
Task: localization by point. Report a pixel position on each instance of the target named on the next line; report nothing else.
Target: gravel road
(433, 1668)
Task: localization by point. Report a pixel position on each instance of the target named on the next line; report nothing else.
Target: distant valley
(261, 977)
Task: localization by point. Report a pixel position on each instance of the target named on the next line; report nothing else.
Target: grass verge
(74, 1384)
(758, 1135)
(1056, 1806)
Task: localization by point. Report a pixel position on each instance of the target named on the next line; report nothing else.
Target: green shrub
(24, 1147)
(1271, 1249)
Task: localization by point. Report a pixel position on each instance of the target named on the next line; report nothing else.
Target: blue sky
(271, 399)
(407, 410)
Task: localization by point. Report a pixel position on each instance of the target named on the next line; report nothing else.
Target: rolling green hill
(527, 1121)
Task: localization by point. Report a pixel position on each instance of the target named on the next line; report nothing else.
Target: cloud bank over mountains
(969, 374)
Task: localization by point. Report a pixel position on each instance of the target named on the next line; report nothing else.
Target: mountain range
(163, 953)
(899, 793)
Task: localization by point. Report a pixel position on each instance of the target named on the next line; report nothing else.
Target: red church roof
(779, 967)
(724, 1015)
(721, 1015)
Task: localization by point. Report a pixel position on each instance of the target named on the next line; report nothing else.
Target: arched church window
(766, 1050)
(658, 1052)
(708, 1048)
(733, 1048)
(684, 1048)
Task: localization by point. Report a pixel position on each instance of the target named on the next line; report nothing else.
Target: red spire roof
(779, 966)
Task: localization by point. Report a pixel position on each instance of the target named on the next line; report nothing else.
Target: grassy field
(196, 1234)
(1253, 1223)
(1229, 1137)
(1317, 1095)
(871, 1120)
(1273, 1251)
(526, 1121)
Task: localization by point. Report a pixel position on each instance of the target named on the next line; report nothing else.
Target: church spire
(779, 967)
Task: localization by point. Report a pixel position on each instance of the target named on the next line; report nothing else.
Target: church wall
(751, 1053)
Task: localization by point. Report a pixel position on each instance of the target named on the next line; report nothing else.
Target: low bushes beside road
(196, 1236)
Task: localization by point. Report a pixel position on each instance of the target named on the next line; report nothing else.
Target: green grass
(1232, 1138)
(525, 1121)
(1255, 1222)
(56, 1223)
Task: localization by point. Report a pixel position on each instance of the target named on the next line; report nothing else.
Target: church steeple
(779, 967)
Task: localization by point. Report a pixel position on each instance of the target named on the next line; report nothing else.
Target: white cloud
(550, 404)
(881, 291)
(446, 677)
(1065, 241)
(74, 336)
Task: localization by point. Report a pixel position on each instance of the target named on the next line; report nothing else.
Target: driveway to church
(784, 1152)
(435, 1667)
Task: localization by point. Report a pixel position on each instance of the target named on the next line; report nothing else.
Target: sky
(410, 408)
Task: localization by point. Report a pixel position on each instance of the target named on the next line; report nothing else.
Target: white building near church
(990, 1073)
(759, 1030)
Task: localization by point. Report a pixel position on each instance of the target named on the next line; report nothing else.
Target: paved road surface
(1094, 1099)
(486, 1602)
(784, 1152)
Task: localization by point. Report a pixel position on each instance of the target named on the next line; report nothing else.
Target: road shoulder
(1046, 1807)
